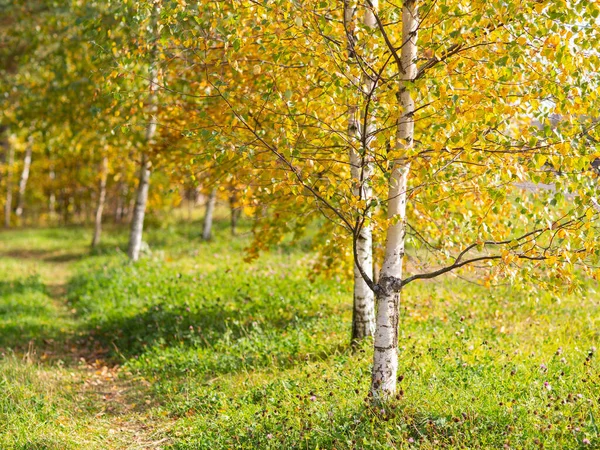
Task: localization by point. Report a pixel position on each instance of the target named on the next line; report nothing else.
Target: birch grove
(448, 158)
(379, 135)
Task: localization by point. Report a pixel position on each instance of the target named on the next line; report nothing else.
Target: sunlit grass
(212, 352)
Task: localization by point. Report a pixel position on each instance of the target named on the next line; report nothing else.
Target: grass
(192, 348)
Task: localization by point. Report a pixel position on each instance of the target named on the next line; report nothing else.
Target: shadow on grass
(58, 256)
(213, 337)
(31, 321)
(29, 284)
(27, 316)
(52, 256)
(213, 341)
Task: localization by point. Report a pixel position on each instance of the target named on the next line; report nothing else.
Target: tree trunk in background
(235, 213)
(9, 169)
(208, 216)
(24, 178)
(52, 195)
(101, 201)
(363, 311)
(385, 356)
(139, 211)
(67, 206)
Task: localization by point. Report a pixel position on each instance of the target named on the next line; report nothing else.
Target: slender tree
(360, 130)
(385, 357)
(139, 211)
(24, 177)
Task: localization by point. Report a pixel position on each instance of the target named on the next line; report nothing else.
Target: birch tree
(385, 358)
(360, 129)
(139, 211)
(404, 129)
(452, 135)
(24, 177)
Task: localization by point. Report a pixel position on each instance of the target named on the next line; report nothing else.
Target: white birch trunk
(385, 357)
(101, 202)
(9, 170)
(139, 211)
(363, 311)
(24, 178)
(208, 216)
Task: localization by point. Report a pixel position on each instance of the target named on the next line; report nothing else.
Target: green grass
(192, 348)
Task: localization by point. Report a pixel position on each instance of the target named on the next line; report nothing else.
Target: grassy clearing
(192, 348)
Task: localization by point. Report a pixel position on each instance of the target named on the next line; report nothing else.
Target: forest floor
(192, 348)
(58, 391)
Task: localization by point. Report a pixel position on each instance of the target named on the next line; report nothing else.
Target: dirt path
(119, 402)
(119, 397)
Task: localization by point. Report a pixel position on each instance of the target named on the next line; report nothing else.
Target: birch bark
(24, 178)
(363, 311)
(139, 211)
(385, 357)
